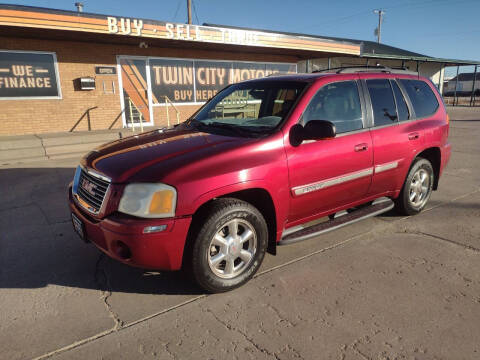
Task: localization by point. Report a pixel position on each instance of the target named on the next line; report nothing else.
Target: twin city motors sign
(189, 80)
(185, 80)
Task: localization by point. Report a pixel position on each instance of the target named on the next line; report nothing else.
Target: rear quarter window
(422, 97)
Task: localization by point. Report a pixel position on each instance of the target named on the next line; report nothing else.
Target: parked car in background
(258, 162)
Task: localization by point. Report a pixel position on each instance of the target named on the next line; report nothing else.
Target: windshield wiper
(238, 129)
(192, 122)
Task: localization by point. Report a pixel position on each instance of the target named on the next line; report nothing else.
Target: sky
(439, 28)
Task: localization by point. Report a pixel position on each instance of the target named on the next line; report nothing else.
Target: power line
(195, 12)
(340, 19)
(176, 11)
(410, 5)
(416, 5)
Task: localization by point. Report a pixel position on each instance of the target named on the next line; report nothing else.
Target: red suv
(256, 165)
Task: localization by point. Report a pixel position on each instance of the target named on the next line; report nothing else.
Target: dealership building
(72, 71)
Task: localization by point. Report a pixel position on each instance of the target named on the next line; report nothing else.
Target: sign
(28, 75)
(31, 17)
(126, 26)
(214, 34)
(196, 81)
(105, 70)
(172, 78)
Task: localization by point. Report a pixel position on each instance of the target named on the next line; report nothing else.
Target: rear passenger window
(339, 103)
(383, 103)
(422, 97)
(402, 108)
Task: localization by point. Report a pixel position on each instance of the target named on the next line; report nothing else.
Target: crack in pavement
(169, 352)
(237, 330)
(103, 284)
(416, 232)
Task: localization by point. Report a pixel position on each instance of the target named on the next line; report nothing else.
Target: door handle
(413, 136)
(361, 147)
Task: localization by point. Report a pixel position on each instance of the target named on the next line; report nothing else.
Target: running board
(300, 233)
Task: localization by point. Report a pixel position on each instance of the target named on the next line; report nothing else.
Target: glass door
(135, 98)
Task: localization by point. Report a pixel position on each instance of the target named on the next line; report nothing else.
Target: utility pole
(189, 10)
(380, 13)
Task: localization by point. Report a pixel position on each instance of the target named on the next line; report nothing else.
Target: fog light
(154, 229)
(122, 250)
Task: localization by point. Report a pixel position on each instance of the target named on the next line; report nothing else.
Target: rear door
(327, 174)
(396, 136)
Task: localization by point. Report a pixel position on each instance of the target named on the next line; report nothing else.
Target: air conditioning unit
(85, 83)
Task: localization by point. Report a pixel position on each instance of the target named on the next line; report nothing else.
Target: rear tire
(417, 188)
(229, 247)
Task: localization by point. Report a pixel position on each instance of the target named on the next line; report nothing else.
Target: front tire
(417, 188)
(230, 245)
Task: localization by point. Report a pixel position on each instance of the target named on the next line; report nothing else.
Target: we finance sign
(25, 75)
(192, 81)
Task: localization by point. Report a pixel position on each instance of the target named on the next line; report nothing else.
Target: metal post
(441, 80)
(380, 13)
(141, 122)
(189, 10)
(88, 119)
(131, 113)
(474, 94)
(472, 97)
(456, 82)
(329, 63)
(166, 107)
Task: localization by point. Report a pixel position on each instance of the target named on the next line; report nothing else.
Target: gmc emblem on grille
(88, 186)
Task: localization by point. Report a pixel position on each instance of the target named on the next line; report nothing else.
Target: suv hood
(124, 159)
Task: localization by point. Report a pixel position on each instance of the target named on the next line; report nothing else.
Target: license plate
(79, 227)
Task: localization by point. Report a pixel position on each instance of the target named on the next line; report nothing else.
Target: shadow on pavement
(39, 248)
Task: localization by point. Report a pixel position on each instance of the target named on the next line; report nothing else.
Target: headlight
(148, 200)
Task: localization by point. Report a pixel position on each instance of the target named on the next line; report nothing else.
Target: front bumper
(162, 250)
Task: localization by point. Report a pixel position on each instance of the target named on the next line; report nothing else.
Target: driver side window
(339, 103)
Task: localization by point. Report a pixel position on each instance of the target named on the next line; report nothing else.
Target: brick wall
(78, 59)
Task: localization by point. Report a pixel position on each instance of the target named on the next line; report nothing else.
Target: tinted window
(339, 103)
(251, 106)
(402, 107)
(384, 110)
(422, 97)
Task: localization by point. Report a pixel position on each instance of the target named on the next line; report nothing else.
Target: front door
(328, 174)
(134, 92)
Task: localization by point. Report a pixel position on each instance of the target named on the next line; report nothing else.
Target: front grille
(91, 191)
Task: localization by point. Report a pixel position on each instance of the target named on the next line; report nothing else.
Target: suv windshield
(249, 108)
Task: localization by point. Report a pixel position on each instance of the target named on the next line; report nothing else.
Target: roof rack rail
(360, 69)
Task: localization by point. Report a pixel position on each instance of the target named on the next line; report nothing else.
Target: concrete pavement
(385, 288)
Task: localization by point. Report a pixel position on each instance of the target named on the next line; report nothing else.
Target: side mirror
(313, 130)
